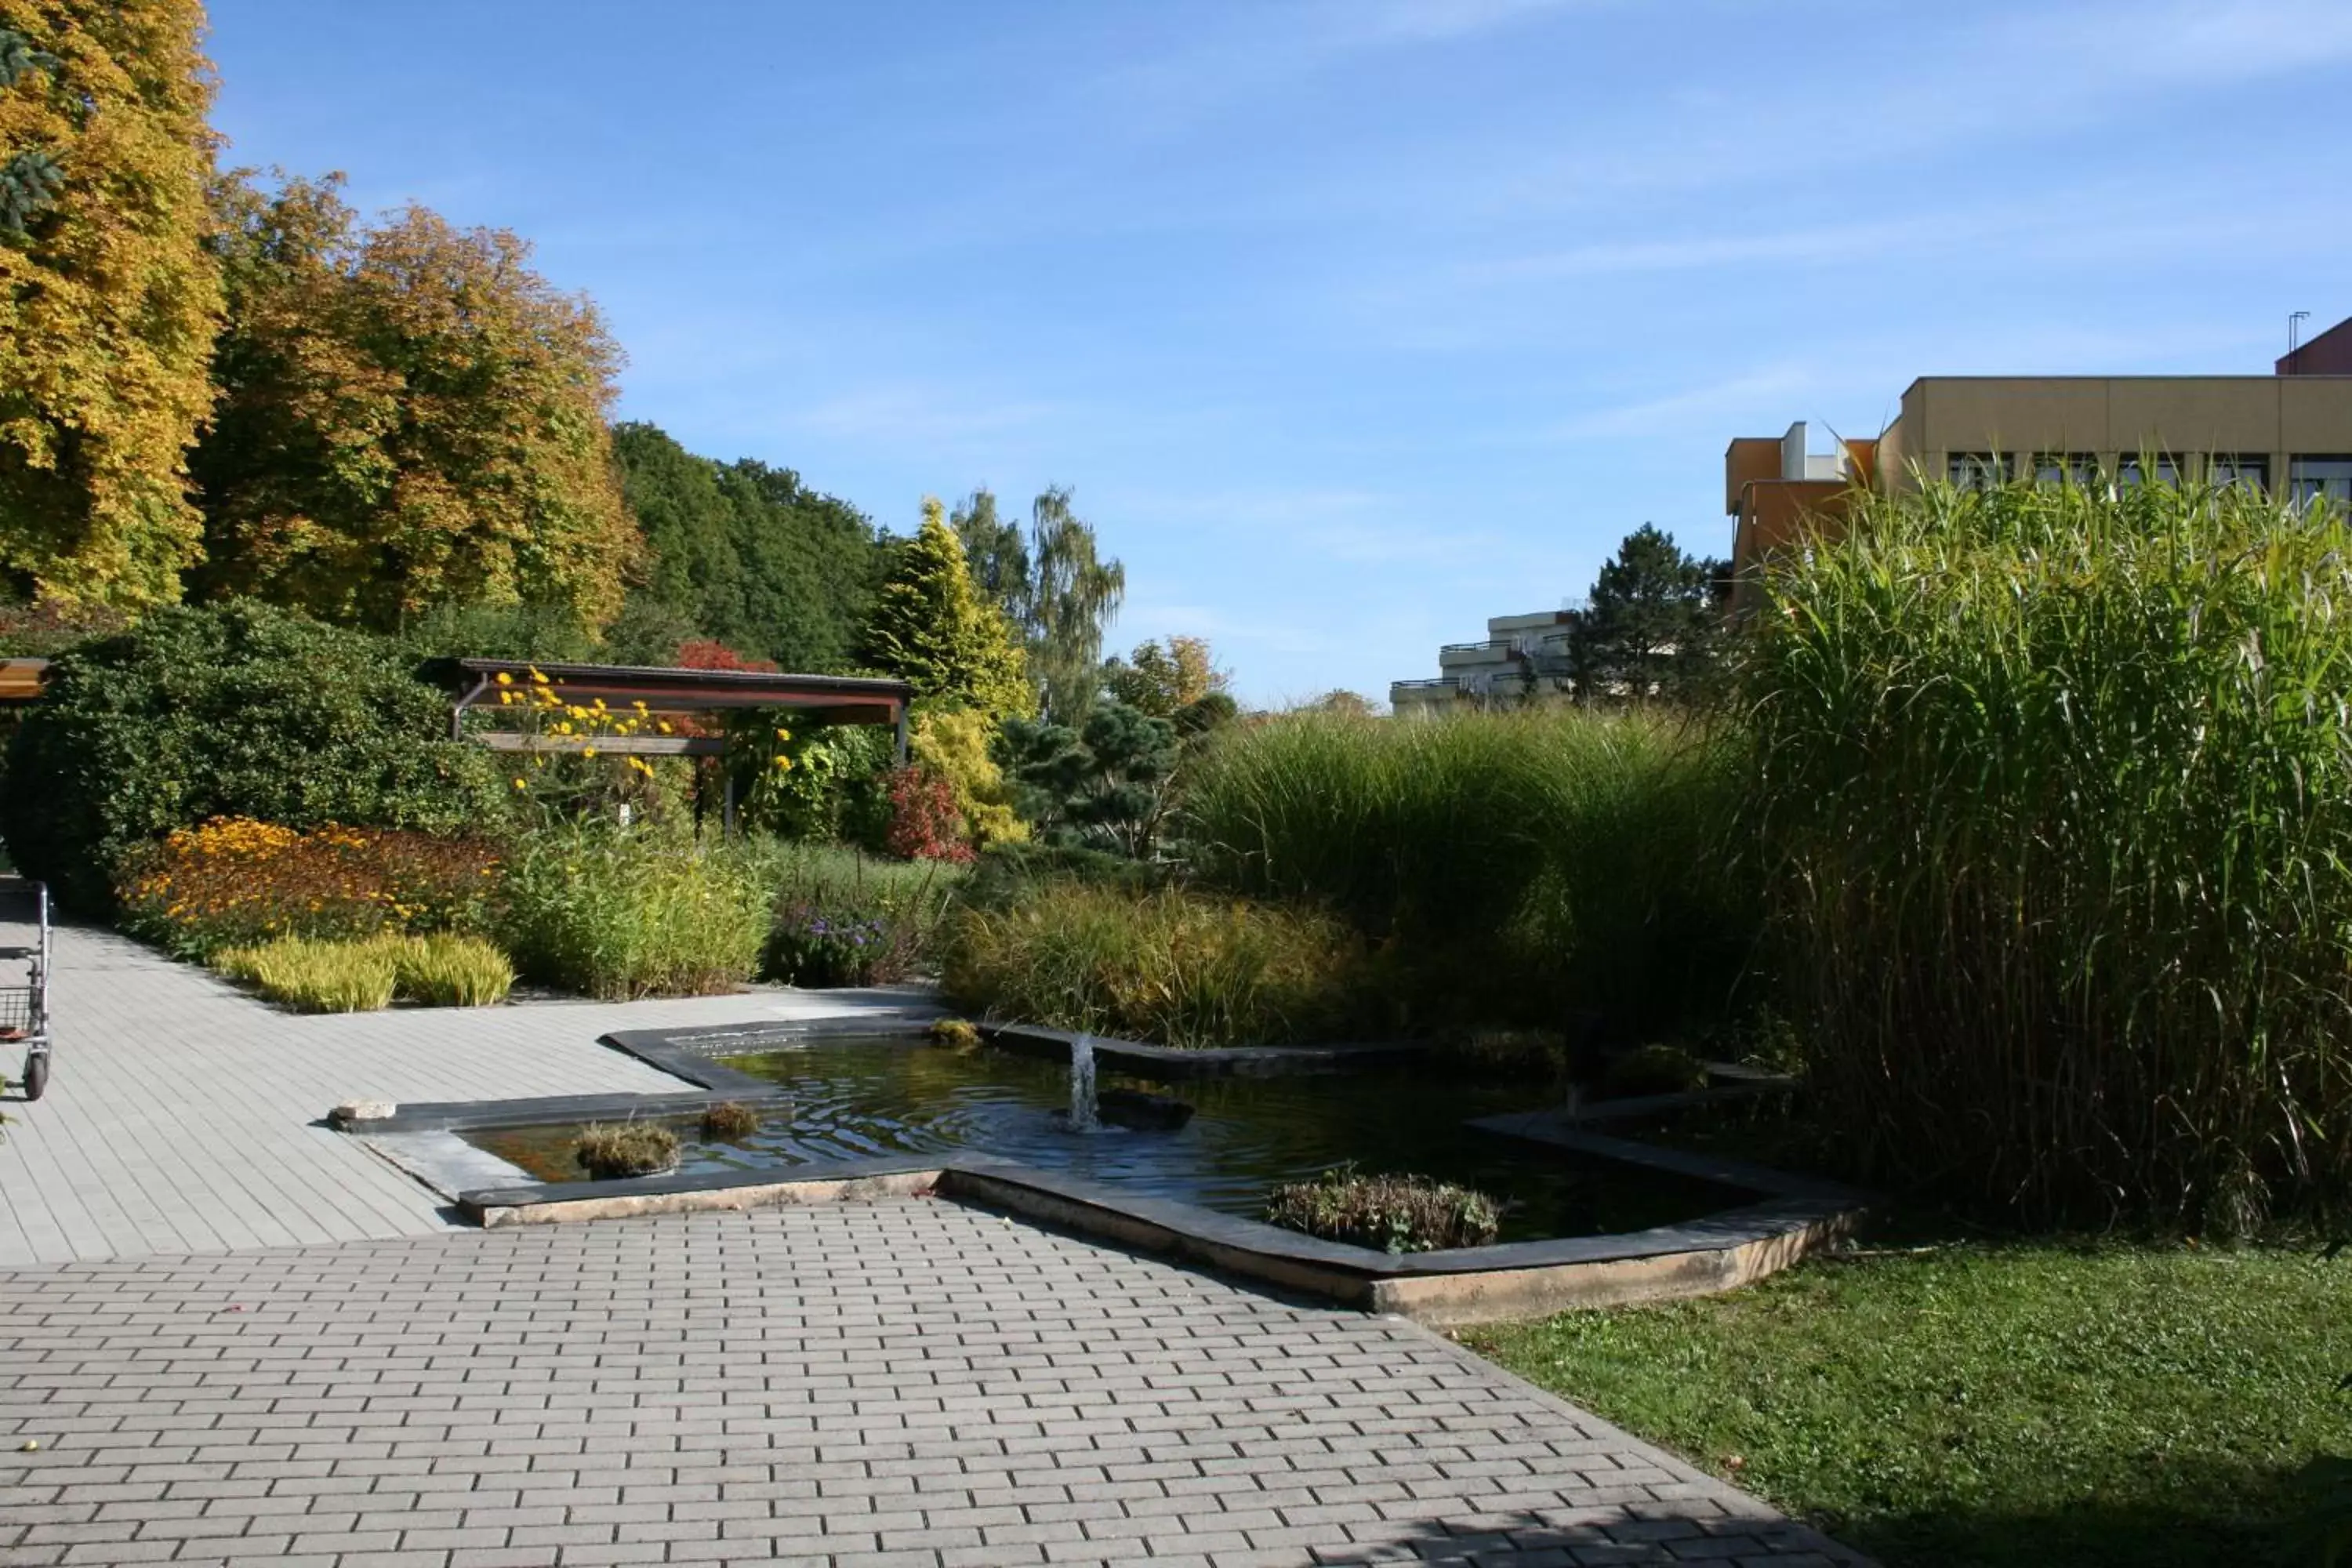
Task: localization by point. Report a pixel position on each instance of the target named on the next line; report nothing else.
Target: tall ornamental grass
(617, 914)
(2053, 792)
(1170, 967)
(1519, 863)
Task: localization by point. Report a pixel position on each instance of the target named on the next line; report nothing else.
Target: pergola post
(902, 734)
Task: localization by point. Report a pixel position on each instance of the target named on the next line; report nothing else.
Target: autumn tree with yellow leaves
(409, 416)
(108, 300)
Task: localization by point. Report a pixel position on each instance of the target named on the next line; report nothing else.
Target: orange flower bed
(235, 881)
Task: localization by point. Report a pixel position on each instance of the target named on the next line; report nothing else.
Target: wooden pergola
(823, 698)
(658, 692)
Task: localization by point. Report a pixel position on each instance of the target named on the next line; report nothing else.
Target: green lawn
(1995, 1404)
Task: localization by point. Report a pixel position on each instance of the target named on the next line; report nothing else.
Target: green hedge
(231, 709)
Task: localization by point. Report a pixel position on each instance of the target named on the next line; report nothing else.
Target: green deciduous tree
(748, 554)
(1164, 677)
(1653, 626)
(1053, 583)
(931, 628)
(409, 416)
(108, 301)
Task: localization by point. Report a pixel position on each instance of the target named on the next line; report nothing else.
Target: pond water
(855, 1098)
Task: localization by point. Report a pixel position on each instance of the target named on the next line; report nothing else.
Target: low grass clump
(314, 976)
(1518, 864)
(1977, 1405)
(2052, 793)
(311, 976)
(610, 1149)
(449, 971)
(616, 914)
(1395, 1213)
(1174, 967)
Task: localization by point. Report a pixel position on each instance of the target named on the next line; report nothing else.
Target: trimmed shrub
(230, 710)
(620, 914)
(449, 971)
(2052, 789)
(1174, 967)
(610, 1149)
(234, 882)
(317, 977)
(1395, 1214)
(1522, 864)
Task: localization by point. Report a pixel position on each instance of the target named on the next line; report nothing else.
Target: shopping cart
(25, 1009)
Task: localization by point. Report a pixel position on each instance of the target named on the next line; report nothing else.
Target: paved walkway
(908, 1383)
(180, 1110)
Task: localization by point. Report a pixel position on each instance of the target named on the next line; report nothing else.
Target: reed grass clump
(618, 914)
(2052, 795)
(1174, 967)
(1514, 864)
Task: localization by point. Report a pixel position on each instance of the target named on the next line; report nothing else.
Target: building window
(2132, 470)
(2225, 469)
(2081, 468)
(1977, 470)
(2327, 477)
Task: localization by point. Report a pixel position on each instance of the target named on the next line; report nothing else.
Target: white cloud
(1715, 405)
(912, 415)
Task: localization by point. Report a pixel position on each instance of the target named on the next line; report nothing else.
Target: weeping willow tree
(1053, 585)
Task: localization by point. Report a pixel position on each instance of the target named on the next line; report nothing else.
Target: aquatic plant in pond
(729, 1120)
(608, 1149)
(1403, 1213)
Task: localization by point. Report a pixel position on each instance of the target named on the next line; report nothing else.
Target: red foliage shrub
(710, 653)
(925, 824)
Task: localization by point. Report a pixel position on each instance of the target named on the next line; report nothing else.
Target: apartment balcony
(1495, 653)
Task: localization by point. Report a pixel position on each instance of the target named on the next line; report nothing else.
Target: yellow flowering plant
(235, 881)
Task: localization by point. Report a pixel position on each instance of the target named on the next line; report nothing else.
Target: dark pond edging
(1168, 1062)
(1473, 1284)
(1792, 1216)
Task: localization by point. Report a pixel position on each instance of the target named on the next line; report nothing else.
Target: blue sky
(1350, 321)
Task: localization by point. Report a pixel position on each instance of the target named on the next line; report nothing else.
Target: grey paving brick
(905, 1383)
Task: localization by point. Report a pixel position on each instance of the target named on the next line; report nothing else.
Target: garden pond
(857, 1098)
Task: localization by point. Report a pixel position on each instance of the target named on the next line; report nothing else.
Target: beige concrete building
(2289, 433)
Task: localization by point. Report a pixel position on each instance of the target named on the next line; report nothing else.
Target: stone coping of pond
(1793, 1216)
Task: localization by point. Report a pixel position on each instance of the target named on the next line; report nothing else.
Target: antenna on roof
(2294, 321)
